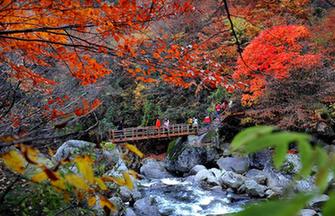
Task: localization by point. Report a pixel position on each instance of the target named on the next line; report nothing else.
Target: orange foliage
(274, 53)
(87, 108)
(73, 32)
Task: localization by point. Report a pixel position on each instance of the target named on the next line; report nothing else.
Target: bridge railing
(150, 132)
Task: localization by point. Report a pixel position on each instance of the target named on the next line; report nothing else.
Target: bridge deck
(151, 132)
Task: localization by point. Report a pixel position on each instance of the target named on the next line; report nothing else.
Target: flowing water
(177, 197)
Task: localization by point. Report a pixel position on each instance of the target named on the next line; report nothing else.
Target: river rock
(118, 203)
(196, 169)
(118, 169)
(305, 185)
(261, 159)
(207, 176)
(216, 172)
(308, 212)
(129, 212)
(237, 164)
(127, 195)
(292, 164)
(270, 193)
(231, 179)
(276, 181)
(252, 188)
(324, 129)
(154, 169)
(71, 147)
(318, 201)
(146, 207)
(257, 175)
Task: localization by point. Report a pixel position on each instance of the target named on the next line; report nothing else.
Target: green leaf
(321, 177)
(279, 155)
(324, 166)
(329, 207)
(289, 207)
(248, 135)
(306, 156)
(321, 156)
(273, 140)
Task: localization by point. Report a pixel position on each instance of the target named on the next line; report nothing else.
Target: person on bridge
(224, 105)
(207, 121)
(189, 121)
(158, 123)
(166, 124)
(195, 122)
(218, 110)
(120, 128)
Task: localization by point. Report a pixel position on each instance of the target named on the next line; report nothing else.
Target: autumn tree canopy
(238, 45)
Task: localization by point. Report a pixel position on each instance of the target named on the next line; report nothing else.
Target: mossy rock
(175, 147)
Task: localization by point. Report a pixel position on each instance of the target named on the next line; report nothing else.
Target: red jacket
(218, 107)
(207, 120)
(224, 105)
(158, 123)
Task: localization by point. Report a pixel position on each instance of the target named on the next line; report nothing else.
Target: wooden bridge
(151, 132)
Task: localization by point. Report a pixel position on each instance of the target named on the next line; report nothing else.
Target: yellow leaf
(59, 184)
(129, 182)
(107, 205)
(77, 182)
(52, 175)
(134, 149)
(101, 184)
(30, 154)
(66, 196)
(7, 139)
(14, 161)
(50, 152)
(116, 180)
(91, 201)
(80, 196)
(85, 167)
(39, 177)
(133, 173)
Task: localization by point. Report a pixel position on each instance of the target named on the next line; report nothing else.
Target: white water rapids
(177, 197)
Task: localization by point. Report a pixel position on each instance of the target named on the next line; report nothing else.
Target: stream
(179, 197)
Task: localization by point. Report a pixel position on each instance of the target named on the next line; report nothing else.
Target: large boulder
(258, 175)
(185, 153)
(71, 147)
(191, 156)
(231, 179)
(154, 169)
(211, 137)
(236, 164)
(252, 188)
(146, 207)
